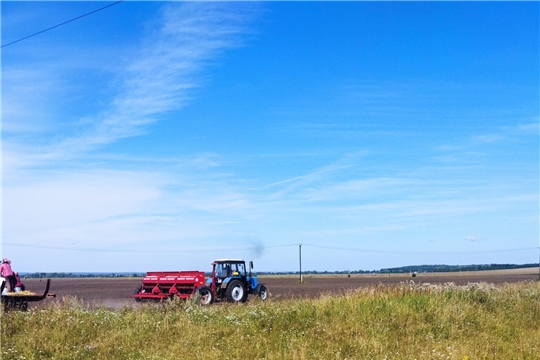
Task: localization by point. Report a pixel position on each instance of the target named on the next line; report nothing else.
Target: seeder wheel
(206, 295)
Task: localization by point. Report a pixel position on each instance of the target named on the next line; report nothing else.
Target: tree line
(454, 268)
(395, 270)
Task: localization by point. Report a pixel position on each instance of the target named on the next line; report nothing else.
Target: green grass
(402, 322)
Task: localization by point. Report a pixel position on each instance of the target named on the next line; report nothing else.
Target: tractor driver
(224, 271)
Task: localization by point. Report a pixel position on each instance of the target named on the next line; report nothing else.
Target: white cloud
(158, 77)
(163, 75)
(488, 138)
(25, 108)
(532, 128)
(474, 238)
(87, 204)
(70, 199)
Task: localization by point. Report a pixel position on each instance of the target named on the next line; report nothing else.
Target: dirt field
(115, 293)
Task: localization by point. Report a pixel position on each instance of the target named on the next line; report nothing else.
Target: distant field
(116, 292)
(510, 272)
(523, 271)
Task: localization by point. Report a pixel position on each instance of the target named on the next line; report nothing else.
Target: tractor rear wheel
(206, 295)
(236, 291)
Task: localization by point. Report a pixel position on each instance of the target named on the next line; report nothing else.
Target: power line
(167, 251)
(419, 252)
(65, 22)
(263, 247)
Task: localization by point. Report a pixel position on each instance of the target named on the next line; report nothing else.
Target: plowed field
(115, 292)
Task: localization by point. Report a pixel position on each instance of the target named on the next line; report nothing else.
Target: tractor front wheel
(235, 291)
(262, 292)
(206, 295)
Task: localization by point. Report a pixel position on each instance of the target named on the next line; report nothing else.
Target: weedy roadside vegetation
(408, 321)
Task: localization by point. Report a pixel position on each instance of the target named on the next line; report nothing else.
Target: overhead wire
(64, 23)
(418, 252)
(264, 247)
(166, 251)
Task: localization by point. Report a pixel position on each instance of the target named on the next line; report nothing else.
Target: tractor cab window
(223, 270)
(241, 269)
(238, 269)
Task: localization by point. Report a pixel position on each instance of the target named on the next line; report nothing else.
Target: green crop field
(405, 321)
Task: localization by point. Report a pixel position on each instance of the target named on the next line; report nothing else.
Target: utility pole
(300, 259)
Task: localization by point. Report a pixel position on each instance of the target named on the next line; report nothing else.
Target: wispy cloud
(306, 179)
(48, 200)
(165, 71)
(487, 138)
(474, 238)
(27, 86)
(531, 128)
(47, 209)
(160, 75)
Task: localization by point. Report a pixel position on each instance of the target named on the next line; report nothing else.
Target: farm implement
(229, 281)
(160, 285)
(19, 300)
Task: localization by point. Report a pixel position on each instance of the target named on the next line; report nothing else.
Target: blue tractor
(231, 281)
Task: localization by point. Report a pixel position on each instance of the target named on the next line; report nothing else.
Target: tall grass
(401, 322)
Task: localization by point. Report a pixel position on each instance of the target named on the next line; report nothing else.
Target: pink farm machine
(230, 281)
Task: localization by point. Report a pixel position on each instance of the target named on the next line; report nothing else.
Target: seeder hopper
(160, 285)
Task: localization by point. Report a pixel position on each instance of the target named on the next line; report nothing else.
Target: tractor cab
(224, 270)
(228, 268)
(232, 281)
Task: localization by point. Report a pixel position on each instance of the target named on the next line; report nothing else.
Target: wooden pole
(300, 259)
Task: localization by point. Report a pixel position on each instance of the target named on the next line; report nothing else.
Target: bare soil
(116, 292)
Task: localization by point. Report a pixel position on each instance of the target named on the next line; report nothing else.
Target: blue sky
(160, 136)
